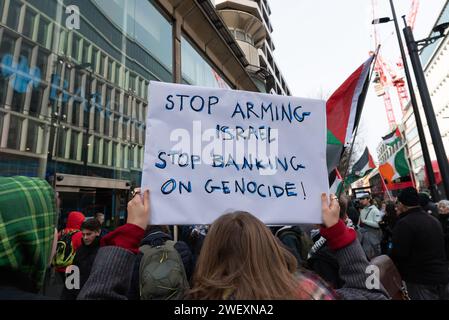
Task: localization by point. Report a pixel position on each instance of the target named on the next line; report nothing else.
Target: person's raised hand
(330, 210)
(139, 209)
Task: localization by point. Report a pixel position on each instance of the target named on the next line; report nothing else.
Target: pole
(422, 137)
(428, 108)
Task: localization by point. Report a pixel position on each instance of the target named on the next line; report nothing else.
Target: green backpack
(161, 273)
(64, 251)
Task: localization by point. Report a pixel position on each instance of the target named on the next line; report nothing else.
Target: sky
(319, 43)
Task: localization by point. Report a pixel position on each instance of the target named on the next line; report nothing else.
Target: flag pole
(357, 128)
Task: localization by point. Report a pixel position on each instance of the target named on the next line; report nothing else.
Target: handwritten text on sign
(210, 151)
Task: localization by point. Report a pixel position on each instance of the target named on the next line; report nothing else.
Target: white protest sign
(212, 151)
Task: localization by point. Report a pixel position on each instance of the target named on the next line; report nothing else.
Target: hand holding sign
(210, 151)
(139, 209)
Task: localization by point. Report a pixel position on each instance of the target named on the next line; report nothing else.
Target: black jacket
(418, 248)
(156, 239)
(15, 286)
(84, 260)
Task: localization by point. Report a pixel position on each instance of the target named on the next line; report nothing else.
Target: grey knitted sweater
(111, 274)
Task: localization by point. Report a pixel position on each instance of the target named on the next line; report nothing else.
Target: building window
(196, 70)
(42, 63)
(106, 152)
(85, 52)
(141, 21)
(43, 32)
(94, 59)
(14, 134)
(110, 76)
(115, 133)
(117, 74)
(107, 121)
(13, 14)
(96, 153)
(76, 42)
(76, 111)
(28, 24)
(74, 145)
(36, 101)
(62, 142)
(32, 134)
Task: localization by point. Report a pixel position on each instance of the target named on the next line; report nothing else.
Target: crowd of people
(236, 257)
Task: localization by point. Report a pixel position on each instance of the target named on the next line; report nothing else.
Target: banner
(211, 151)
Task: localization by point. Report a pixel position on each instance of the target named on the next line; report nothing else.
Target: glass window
(117, 74)
(85, 52)
(131, 156)
(86, 117)
(106, 152)
(28, 24)
(76, 42)
(96, 153)
(110, 70)
(107, 121)
(43, 32)
(13, 14)
(36, 101)
(18, 101)
(196, 70)
(63, 42)
(32, 134)
(2, 116)
(114, 154)
(74, 145)
(97, 119)
(15, 128)
(109, 97)
(26, 51)
(125, 104)
(116, 126)
(76, 110)
(62, 142)
(102, 61)
(124, 162)
(3, 90)
(64, 110)
(94, 59)
(143, 22)
(42, 62)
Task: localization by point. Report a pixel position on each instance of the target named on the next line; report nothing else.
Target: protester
(386, 225)
(241, 259)
(427, 205)
(322, 259)
(28, 220)
(99, 216)
(157, 236)
(370, 234)
(443, 217)
(111, 274)
(296, 241)
(418, 250)
(85, 255)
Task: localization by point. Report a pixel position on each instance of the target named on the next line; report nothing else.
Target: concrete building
(92, 149)
(249, 22)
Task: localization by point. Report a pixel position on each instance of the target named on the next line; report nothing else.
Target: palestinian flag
(363, 166)
(396, 167)
(343, 110)
(392, 138)
(335, 182)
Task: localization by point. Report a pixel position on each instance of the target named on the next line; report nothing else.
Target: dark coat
(14, 286)
(418, 248)
(84, 260)
(156, 239)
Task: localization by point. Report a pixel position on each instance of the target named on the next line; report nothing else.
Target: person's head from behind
(99, 216)
(90, 230)
(443, 207)
(424, 199)
(28, 222)
(408, 198)
(241, 258)
(74, 220)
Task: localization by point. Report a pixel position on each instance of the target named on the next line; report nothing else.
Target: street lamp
(413, 50)
(422, 137)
